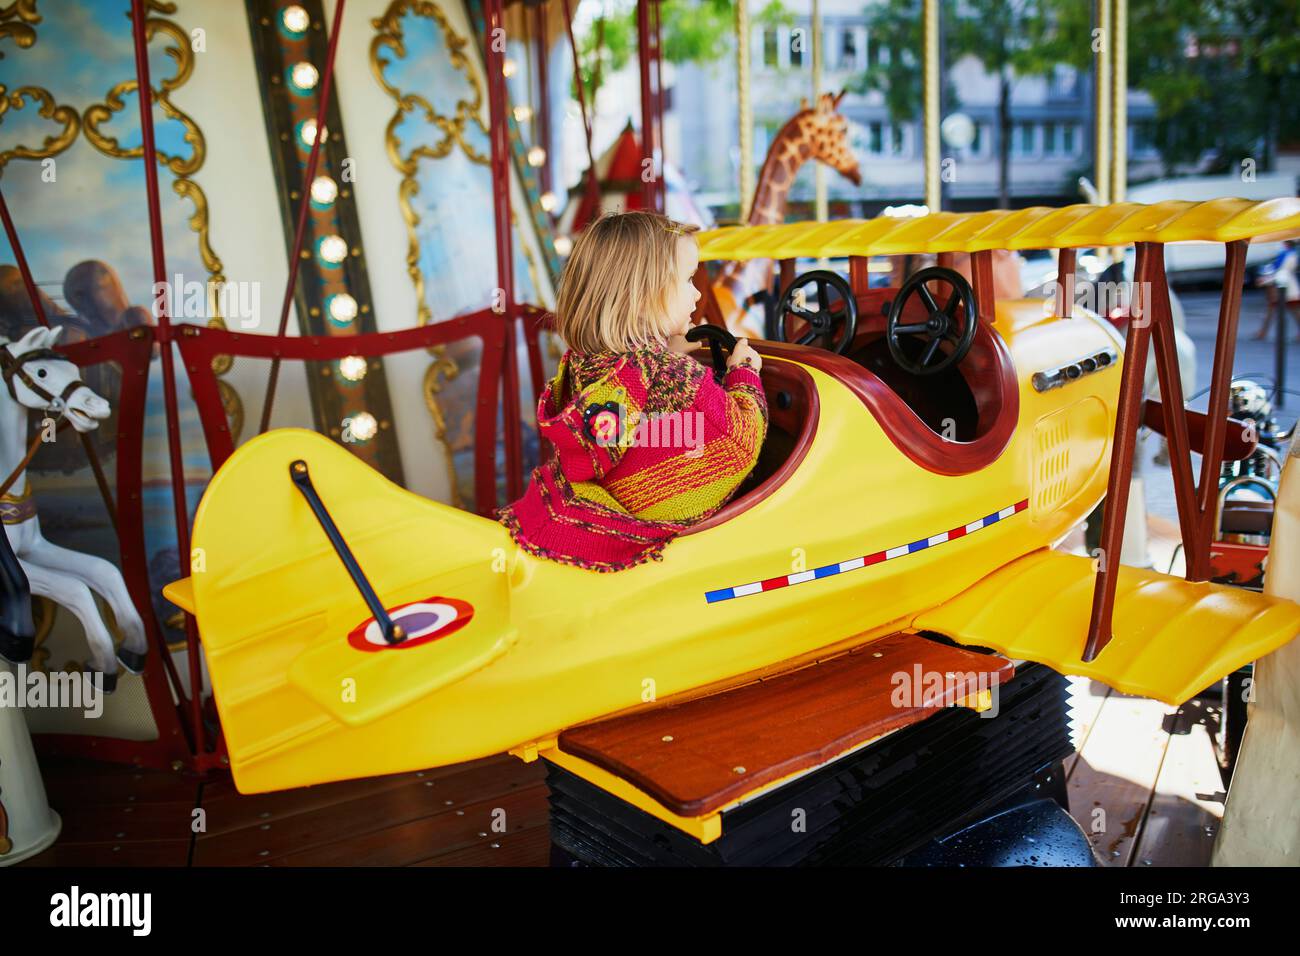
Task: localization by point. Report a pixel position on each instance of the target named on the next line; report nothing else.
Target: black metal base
(889, 803)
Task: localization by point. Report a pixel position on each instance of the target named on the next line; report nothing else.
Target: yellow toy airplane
(917, 481)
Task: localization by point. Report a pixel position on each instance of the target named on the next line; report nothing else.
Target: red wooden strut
(1152, 317)
(165, 337)
(304, 203)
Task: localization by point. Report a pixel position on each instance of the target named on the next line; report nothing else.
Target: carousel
(250, 474)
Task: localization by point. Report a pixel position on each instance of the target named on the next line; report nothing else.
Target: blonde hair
(618, 280)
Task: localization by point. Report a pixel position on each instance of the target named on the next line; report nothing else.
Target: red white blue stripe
(829, 570)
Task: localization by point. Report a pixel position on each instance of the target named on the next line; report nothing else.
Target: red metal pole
(23, 268)
(304, 203)
(647, 105)
(505, 252)
(145, 95)
(661, 186)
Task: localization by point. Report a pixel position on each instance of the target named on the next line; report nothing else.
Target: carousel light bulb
(536, 156)
(304, 75)
(508, 67)
(324, 190)
(363, 426)
(342, 308)
(308, 132)
(333, 249)
(563, 245)
(295, 19)
(523, 114)
(549, 201)
(353, 367)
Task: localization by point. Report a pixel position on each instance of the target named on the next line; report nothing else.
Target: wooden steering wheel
(943, 324)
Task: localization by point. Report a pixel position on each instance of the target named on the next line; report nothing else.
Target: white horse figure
(38, 378)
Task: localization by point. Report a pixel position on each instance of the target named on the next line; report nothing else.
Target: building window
(876, 138)
(1142, 140)
(770, 48)
(798, 44)
(1060, 139)
(1064, 81)
(897, 140)
(1022, 139)
(848, 49)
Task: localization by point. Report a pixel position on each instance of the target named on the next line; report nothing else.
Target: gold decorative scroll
(55, 143)
(390, 38)
(100, 114)
(21, 29)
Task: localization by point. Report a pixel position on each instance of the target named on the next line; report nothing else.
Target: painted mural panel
(71, 172)
(424, 57)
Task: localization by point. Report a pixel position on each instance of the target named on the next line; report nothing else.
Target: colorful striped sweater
(646, 444)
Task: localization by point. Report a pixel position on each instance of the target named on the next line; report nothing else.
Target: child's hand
(679, 344)
(744, 352)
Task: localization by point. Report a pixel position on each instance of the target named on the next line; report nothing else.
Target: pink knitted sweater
(646, 445)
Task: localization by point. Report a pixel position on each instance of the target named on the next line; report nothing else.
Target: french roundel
(423, 621)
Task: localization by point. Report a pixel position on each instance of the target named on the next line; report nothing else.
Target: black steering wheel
(719, 339)
(941, 325)
(832, 323)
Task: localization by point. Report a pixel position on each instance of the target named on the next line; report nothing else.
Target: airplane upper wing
(1172, 638)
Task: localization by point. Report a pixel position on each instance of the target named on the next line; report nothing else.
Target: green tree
(693, 31)
(1224, 75)
(1003, 35)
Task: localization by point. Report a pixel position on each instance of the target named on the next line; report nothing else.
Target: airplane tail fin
(301, 669)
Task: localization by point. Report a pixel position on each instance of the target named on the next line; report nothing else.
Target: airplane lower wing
(1172, 638)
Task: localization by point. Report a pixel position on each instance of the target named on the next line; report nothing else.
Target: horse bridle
(11, 367)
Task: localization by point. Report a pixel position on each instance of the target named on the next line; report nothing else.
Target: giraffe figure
(818, 133)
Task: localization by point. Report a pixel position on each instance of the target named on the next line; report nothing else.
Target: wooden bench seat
(699, 757)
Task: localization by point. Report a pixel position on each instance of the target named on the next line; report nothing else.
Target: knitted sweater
(646, 444)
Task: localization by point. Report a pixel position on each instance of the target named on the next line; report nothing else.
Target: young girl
(646, 442)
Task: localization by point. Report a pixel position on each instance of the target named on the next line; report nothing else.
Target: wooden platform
(1148, 767)
(487, 813)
